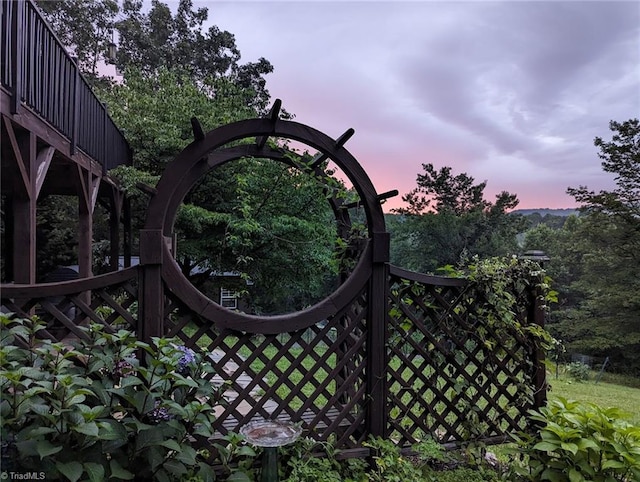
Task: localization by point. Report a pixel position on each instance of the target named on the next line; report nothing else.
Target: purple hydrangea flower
(159, 414)
(187, 359)
(122, 368)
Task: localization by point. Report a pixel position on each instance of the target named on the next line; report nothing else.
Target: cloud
(510, 92)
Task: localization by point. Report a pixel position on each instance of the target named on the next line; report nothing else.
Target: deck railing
(37, 71)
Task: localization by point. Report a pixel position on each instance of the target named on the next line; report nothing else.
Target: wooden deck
(57, 139)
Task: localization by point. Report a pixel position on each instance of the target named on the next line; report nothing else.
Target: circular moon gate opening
(221, 146)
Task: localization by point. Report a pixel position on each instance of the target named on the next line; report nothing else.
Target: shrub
(580, 442)
(93, 411)
(578, 371)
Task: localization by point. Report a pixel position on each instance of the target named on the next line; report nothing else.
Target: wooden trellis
(390, 353)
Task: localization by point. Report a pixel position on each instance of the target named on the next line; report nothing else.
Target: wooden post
(24, 212)
(540, 375)
(126, 241)
(115, 207)
(85, 227)
(17, 52)
(377, 337)
(151, 319)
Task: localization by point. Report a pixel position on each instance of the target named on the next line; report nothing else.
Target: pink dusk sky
(509, 92)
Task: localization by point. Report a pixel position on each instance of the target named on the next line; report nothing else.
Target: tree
(85, 27)
(150, 40)
(259, 218)
(158, 39)
(606, 321)
(447, 219)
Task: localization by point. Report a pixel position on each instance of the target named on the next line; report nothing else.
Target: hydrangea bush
(90, 410)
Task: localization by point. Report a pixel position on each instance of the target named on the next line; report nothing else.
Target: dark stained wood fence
(440, 379)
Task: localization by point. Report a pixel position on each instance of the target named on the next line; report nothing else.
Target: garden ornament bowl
(270, 433)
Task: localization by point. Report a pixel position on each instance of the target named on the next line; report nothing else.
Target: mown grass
(611, 391)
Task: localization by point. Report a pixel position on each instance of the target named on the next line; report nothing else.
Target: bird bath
(270, 434)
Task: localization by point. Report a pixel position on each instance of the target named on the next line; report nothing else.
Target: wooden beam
(43, 161)
(95, 187)
(273, 117)
(29, 120)
(17, 153)
(83, 189)
(198, 133)
(380, 197)
(340, 142)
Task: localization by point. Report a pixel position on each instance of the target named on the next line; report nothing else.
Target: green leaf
(553, 475)
(118, 472)
(175, 467)
(90, 429)
(613, 464)
(112, 430)
(149, 437)
(587, 443)
(569, 447)
(95, 471)
(238, 477)
(575, 476)
(171, 444)
(71, 470)
(44, 448)
(545, 446)
(187, 455)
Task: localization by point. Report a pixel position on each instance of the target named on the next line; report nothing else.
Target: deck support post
(24, 212)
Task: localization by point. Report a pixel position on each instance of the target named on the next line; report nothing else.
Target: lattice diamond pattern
(113, 306)
(315, 376)
(443, 380)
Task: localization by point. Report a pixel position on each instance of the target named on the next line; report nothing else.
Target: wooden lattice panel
(444, 379)
(110, 300)
(314, 376)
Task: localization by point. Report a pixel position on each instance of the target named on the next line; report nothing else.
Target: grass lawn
(605, 393)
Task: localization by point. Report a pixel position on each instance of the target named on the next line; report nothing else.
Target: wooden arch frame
(207, 152)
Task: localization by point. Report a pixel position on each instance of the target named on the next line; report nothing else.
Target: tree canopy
(447, 219)
(154, 39)
(595, 258)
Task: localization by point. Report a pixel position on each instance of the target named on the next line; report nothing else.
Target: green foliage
(154, 38)
(390, 465)
(86, 25)
(595, 259)
(447, 220)
(157, 38)
(578, 371)
(235, 457)
(94, 411)
(579, 442)
(500, 290)
(309, 460)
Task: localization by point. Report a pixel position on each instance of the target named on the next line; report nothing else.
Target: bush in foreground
(91, 410)
(580, 442)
